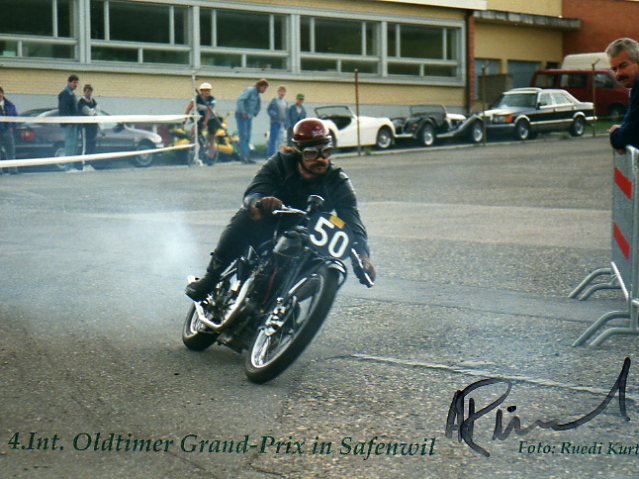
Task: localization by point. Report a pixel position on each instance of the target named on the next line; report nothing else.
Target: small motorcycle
(228, 148)
(182, 135)
(227, 145)
(272, 300)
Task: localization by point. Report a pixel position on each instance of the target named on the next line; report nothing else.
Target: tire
(193, 335)
(59, 151)
(307, 308)
(476, 134)
(522, 130)
(384, 138)
(426, 135)
(142, 161)
(578, 126)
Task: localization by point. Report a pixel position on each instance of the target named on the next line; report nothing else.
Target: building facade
(147, 56)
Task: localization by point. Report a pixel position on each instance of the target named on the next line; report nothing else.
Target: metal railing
(624, 270)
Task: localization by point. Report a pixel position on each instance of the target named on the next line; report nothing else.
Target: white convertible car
(342, 123)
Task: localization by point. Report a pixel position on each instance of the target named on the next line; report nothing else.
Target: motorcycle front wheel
(291, 326)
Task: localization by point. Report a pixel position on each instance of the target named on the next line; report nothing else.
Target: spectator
(67, 106)
(87, 106)
(207, 121)
(623, 54)
(247, 107)
(7, 108)
(296, 112)
(277, 111)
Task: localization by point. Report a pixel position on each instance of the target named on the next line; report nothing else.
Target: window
(422, 50)
(118, 35)
(340, 46)
(232, 36)
(46, 29)
(573, 80)
(238, 39)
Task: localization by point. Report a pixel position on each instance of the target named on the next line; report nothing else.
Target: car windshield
(40, 112)
(329, 111)
(516, 100)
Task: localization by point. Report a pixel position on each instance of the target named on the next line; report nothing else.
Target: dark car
(37, 140)
(525, 112)
(428, 123)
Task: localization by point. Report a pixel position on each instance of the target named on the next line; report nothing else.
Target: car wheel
(59, 151)
(384, 138)
(616, 112)
(477, 132)
(522, 130)
(426, 135)
(578, 126)
(146, 159)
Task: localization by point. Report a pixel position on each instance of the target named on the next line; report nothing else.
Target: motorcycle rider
(288, 177)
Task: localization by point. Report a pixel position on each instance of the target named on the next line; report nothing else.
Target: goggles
(311, 153)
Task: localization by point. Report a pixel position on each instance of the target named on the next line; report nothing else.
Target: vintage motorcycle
(272, 300)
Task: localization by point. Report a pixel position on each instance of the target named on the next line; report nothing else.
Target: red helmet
(310, 132)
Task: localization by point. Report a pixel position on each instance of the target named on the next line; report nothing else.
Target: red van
(611, 98)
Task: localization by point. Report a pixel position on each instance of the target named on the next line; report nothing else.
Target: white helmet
(205, 86)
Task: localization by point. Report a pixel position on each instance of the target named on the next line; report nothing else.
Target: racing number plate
(330, 235)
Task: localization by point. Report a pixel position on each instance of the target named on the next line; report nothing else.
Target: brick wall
(602, 21)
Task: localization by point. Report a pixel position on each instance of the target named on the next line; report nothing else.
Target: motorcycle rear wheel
(194, 335)
(307, 306)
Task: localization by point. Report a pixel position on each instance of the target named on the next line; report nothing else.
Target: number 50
(337, 240)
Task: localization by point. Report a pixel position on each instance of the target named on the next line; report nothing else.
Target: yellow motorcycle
(226, 145)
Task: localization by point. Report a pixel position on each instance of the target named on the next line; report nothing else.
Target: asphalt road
(476, 249)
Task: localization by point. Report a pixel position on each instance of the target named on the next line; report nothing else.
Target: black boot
(198, 290)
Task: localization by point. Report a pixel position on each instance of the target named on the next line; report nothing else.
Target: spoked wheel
(195, 335)
(291, 326)
(427, 135)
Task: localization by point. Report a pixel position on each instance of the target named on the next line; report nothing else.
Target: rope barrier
(56, 160)
(98, 119)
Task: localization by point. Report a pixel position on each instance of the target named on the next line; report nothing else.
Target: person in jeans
(7, 108)
(247, 107)
(89, 107)
(67, 106)
(277, 111)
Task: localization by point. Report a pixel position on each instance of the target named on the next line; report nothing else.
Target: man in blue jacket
(247, 107)
(7, 108)
(67, 106)
(623, 54)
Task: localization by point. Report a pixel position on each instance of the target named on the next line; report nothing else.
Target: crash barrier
(155, 119)
(624, 271)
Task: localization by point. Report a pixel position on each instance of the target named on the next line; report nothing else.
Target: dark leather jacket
(279, 177)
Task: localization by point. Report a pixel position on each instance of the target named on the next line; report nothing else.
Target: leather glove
(264, 207)
(368, 268)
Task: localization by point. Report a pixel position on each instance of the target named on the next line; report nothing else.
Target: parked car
(611, 97)
(428, 124)
(525, 112)
(37, 140)
(342, 123)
